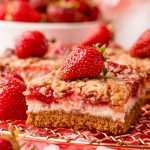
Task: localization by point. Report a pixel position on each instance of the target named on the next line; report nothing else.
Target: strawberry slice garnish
(84, 62)
(141, 48)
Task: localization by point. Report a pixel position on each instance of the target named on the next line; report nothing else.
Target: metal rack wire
(137, 137)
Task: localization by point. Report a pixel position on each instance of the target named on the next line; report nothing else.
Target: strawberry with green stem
(84, 62)
(10, 142)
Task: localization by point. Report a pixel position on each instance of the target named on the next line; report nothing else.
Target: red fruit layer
(48, 98)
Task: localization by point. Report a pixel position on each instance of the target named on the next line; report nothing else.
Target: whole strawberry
(3, 8)
(40, 5)
(141, 48)
(99, 34)
(31, 44)
(68, 11)
(57, 13)
(21, 11)
(83, 62)
(5, 144)
(12, 101)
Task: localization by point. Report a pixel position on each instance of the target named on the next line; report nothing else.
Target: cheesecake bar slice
(120, 56)
(110, 104)
(30, 68)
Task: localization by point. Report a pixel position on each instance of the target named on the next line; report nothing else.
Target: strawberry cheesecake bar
(111, 103)
(121, 57)
(30, 68)
(137, 55)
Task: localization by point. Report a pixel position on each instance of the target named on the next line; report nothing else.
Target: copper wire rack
(137, 137)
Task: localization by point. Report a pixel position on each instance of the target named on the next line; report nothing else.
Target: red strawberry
(94, 13)
(59, 14)
(66, 11)
(5, 144)
(12, 100)
(31, 44)
(3, 8)
(39, 4)
(99, 34)
(83, 62)
(21, 11)
(80, 5)
(141, 48)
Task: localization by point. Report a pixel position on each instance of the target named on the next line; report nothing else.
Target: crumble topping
(31, 67)
(121, 57)
(115, 89)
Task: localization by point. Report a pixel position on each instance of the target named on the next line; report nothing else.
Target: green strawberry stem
(102, 50)
(12, 138)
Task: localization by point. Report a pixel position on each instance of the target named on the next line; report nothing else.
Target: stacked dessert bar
(111, 103)
(122, 57)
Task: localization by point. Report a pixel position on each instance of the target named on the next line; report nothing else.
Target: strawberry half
(99, 34)
(141, 48)
(83, 62)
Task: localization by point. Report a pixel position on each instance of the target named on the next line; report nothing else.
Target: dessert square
(122, 57)
(32, 67)
(110, 104)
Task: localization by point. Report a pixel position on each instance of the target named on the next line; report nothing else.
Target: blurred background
(69, 21)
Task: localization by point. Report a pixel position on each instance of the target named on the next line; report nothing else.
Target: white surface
(130, 18)
(63, 32)
(132, 24)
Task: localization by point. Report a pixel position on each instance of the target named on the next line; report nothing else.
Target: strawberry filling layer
(47, 97)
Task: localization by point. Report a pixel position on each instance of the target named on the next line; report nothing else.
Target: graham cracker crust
(61, 119)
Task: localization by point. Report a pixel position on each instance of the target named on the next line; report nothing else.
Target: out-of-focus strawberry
(12, 101)
(99, 34)
(141, 48)
(40, 5)
(3, 8)
(80, 5)
(31, 44)
(94, 13)
(5, 144)
(57, 13)
(83, 62)
(21, 11)
(10, 142)
(71, 11)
